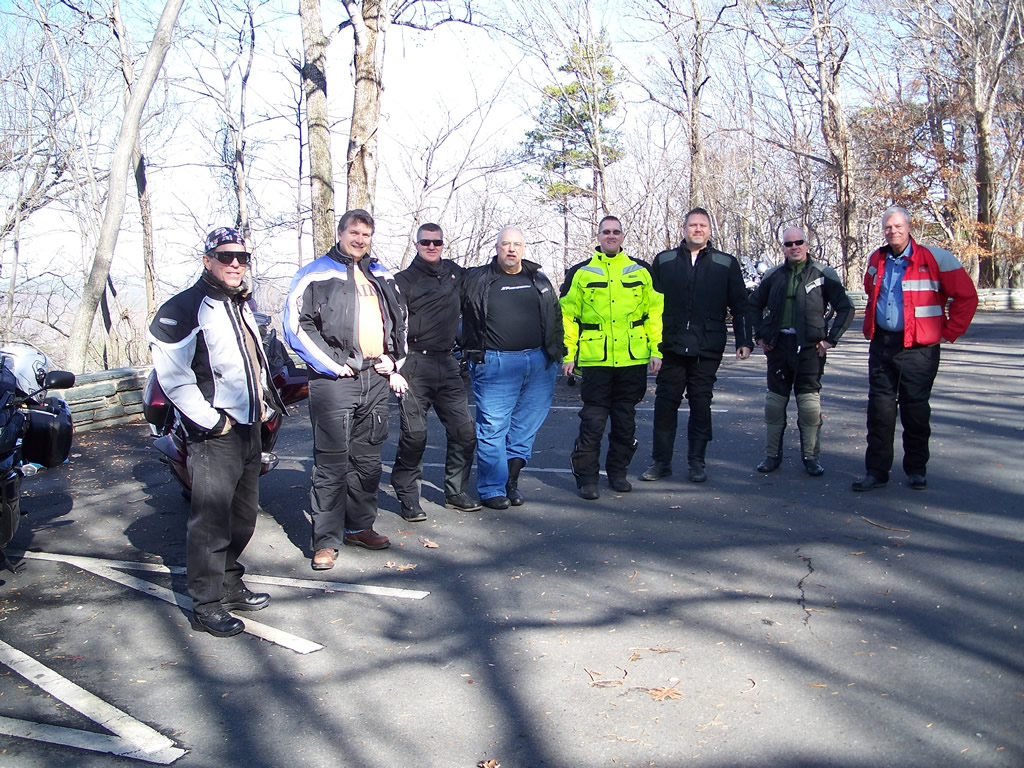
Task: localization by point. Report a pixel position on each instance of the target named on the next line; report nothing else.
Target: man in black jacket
(793, 303)
(430, 289)
(512, 336)
(700, 284)
(210, 363)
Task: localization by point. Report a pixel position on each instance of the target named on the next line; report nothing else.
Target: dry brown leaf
(429, 544)
(635, 656)
(488, 764)
(818, 685)
(397, 567)
(662, 694)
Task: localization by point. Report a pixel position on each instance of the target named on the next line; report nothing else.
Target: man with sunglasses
(793, 303)
(612, 319)
(211, 365)
(430, 289)
(343, 316)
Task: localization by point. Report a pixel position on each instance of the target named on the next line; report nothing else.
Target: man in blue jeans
(512, 337)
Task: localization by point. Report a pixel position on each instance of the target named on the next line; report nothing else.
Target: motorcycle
(34, 429)
(292, 383)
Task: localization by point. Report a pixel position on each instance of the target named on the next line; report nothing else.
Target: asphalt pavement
(753, 620)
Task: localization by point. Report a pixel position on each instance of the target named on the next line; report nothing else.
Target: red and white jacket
(932, 278)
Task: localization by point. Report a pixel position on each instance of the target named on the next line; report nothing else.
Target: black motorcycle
(34, 429)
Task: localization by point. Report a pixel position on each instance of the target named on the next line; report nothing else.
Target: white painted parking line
(318, 584)
(131, 738)
(252, 627)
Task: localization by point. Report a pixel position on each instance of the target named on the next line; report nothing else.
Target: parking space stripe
(87, 563)
(132, 738)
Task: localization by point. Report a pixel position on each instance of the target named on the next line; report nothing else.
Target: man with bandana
(211, 365)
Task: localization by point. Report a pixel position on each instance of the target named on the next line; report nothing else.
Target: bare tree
(93, 289)
(811, 36)
(314, 86)
(977, 43)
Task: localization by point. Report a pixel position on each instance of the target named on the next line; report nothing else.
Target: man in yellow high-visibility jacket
(612, 318)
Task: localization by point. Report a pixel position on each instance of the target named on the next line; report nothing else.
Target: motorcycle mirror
(59, 380)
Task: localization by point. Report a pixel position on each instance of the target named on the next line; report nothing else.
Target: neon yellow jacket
(611, 312)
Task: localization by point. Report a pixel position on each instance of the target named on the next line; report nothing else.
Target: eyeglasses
(435, 243)
(791, 243)
(611, 231)
(226, 257)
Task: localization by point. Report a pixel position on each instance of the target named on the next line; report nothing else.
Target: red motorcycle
(291, 382)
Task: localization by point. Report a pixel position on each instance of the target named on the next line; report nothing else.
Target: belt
(430, 352)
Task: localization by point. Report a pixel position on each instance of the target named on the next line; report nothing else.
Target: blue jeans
(513, 392)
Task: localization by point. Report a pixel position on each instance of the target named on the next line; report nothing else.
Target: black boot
(512, 486)
(695, 456)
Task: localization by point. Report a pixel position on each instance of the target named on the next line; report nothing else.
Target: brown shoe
(368, 539)
(323, 559)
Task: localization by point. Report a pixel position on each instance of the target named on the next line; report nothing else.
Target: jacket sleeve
(173, 343)
(840, 302)
(571, 307)
(301, 326)
(957, 285)
(654, 323)
(739, 305)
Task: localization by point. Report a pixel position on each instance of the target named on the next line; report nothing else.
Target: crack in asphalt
(802, 601)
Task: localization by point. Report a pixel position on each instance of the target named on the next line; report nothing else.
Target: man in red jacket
(908, 287)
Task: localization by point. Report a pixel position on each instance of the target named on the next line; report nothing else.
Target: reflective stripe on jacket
(611, 312)
(932, 278)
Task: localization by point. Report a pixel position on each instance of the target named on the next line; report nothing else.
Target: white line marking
(330, 586)
(252, 627)
(132, 738)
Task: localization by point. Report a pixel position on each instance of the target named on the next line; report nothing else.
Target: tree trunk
(146, 215)
(369, 23)
(696, 85)
(314, 86)
(988, 273)
(81, 328)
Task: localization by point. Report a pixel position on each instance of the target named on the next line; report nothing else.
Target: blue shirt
(889, 309)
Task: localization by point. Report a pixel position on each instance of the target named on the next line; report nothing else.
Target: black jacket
(819, 289)
(321, 318)
(697, 298)
(475, 289)
(431, 293)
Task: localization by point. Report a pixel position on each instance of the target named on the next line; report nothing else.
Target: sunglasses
(611, 231)
(435, 243)
(791, 243)
(226, 257)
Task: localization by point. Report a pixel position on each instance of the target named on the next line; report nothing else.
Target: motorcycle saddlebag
(49, 434)
(156, 407)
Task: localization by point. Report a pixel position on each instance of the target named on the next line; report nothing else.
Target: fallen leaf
(488, 764)
(397, 567)
(662, 694)
(818, 685)
(429, 544)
